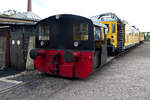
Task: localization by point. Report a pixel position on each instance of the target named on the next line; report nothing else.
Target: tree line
(9, 12)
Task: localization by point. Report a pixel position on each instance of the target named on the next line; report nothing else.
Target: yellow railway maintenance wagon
(120, 34)
(132, 36)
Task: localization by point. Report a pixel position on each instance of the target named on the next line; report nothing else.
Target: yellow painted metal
(110, 35)
(103, 36)
(132, 35)
(141, 36)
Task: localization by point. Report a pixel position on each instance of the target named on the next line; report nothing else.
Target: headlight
(76, 44)
(42, 43)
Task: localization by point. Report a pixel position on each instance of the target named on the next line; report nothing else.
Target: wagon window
(44, 32)
(80, 32)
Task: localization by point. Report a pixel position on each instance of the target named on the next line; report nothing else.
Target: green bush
(148, 39)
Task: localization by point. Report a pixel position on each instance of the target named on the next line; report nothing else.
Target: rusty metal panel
(3, 51)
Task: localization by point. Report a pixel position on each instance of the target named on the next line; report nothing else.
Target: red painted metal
(81, 67)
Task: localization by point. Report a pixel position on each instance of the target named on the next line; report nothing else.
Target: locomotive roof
(96, 23)
(95, 18)
(99, 24)
(64, 15)
(106, 17)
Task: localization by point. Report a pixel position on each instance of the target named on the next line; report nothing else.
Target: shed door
(3, 52)
(16, 50)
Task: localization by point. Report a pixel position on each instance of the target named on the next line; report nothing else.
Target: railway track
(16, 83)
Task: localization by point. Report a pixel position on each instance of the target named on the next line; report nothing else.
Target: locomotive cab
(66, 45)
(115, 35)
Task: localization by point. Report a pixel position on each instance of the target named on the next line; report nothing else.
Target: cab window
(97, 33)
(113, 28)
(80, 32)
(107, 27)
(44, 32)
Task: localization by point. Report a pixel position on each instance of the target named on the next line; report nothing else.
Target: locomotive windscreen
(65, 32)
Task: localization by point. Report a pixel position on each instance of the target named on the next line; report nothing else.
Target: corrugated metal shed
(4, 47)
(29, 15)
(10, 21)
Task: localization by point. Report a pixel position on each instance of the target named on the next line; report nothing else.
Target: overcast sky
(136, 12)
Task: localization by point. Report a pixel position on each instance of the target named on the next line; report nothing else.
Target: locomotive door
(3, 46)
(16, 50)
(100, 54)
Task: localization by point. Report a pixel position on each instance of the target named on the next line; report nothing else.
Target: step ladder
(120, 38)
